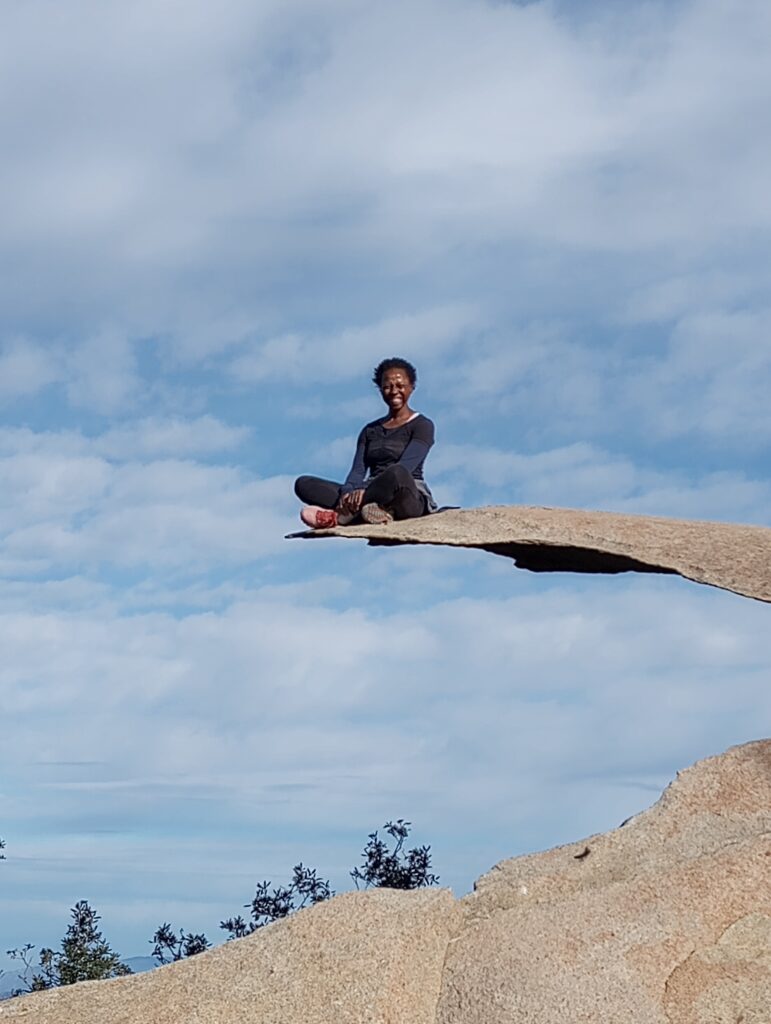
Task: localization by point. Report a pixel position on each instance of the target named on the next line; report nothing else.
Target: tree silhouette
(383, 866)
(85, 955)
(169, 947)
(394, 868)
(268, 905)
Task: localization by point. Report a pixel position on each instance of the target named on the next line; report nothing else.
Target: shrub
(84, 955)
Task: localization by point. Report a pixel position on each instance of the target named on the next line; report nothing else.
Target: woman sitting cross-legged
(386, 478)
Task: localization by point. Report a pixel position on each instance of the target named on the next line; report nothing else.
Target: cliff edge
(725, 555)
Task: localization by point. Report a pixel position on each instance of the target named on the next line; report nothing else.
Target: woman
(386, 478)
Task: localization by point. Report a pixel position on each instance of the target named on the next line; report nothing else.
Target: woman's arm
(419, 445)
(355, 479)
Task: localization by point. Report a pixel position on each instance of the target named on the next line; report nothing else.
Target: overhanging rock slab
(725, 555)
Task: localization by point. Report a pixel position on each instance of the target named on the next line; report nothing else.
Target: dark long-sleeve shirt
(379, 447)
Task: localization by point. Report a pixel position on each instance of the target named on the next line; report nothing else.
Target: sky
(216, 219)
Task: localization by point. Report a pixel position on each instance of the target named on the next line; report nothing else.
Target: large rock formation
(360, 957)
(736, 558)
(666, 920)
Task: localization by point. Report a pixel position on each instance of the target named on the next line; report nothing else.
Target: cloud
(354, 351)
(25, 369)
(165, 515)
(335, 457)
(285, 667)
(66, 505)
(326, 721)
(584, 476)
(103, 374)
(130, 440)
(181, 191)
(509, 214)
(701, 378)
(713, 380)
(155, 436)
(98, 373)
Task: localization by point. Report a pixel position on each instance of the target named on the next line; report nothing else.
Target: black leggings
(394, 489)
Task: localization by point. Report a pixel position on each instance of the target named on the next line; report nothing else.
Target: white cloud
(714, 380)
(65, 505)
(335, 457)
(667, 299)
(154, 436)
(103, 374)
(702, 377)
(25, 369)
(165, 515)
(40, 486)
(179, 190)
(215, 721)
(129, 440)
(354, 351)
(584, 476)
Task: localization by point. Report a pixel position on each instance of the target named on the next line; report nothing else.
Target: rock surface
(362, 957)
(666, 920)
(736, 558)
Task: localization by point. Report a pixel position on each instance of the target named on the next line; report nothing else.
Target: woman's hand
(351, 502)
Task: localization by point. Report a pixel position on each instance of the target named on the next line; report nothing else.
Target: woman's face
(396, 389)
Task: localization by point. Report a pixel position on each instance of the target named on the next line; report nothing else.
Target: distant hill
(9, 982)
(140, 964)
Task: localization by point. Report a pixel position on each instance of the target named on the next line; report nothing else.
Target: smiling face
(395, 387)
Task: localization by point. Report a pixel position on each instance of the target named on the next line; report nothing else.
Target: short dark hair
(394, 363)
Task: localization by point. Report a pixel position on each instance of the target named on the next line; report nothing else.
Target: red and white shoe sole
(319, 518)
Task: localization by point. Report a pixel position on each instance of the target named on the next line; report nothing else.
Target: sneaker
(375, 515)
(319, 518)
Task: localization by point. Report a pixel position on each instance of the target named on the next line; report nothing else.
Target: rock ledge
(725, 555)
